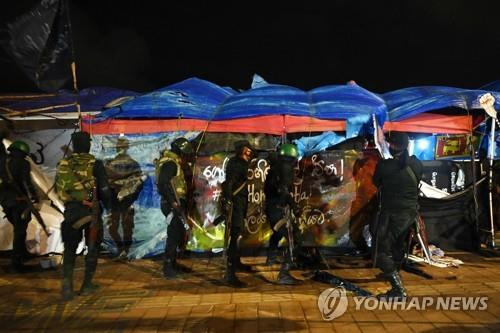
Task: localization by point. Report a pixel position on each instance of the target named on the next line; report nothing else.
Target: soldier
(16, 189)
(172, 187)
(397, 179)
(82, 185)
(235, 197)
(125, 180)
(277, 188)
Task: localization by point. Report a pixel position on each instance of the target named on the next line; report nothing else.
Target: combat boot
(67, 293)
(168, 269)
(231, 279)
(398, 290)
(17, 265)
(272, 257)
(284, 276)
(88, 287)
(241, 266)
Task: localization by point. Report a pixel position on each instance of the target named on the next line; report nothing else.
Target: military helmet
(240, 144)
(182, 146)
(80, 136)
(289, 149)
(81, 142)
(398, 140)
(21, 146)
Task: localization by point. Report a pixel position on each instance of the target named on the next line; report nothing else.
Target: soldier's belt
(82, 221)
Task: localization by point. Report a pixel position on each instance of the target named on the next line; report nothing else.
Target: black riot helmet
(398, 142)
(181, 146)
(239, 148)
(81, 142)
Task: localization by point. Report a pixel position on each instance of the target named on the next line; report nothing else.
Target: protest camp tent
(335, 185)
(45, 122)
(456, 220)
(193, 107)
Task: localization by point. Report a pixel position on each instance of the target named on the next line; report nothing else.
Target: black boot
(284, 276)
(67, 293)
(168, 269)
(398, 290)
(87, 286)
(17, 265)
(231, 278)
(241, 266)
(272, 257)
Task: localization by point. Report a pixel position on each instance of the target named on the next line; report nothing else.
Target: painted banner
(332, 188)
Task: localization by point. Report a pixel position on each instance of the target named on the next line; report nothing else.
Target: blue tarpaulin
(198, 99)
(407, 102)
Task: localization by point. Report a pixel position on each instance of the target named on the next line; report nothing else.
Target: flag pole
(490, 180)
(487, 101)
(73, 68)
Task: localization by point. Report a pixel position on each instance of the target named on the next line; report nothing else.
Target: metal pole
(490, 183)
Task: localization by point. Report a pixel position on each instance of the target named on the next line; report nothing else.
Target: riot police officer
(171, 170)
(235, 191)
(16, 189)
(278, 188)
(397, 179)
(82, 185)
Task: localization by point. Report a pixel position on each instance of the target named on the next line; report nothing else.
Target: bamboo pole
(17, 113)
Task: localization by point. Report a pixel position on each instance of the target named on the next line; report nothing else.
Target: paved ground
(135, 298)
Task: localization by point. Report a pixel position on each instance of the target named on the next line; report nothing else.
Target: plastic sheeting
(276, 125)
(332, 188)
(199, 99)
(40, 43)
(192, 98)
(407, 102)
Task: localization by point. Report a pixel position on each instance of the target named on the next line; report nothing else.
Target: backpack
(75, 179)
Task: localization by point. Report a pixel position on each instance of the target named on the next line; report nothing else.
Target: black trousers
(274, 214)
(391, 238)
(240, 206)
(19, 216)
(175, 231)
(71, 238)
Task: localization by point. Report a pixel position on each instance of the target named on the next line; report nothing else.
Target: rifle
(422, 237)
(287, 220)
(30, 207)
(289, 226)
(94, 223)
(325, 277)
(227, 230)
(178, 210)
(375, 228)
(35, 212)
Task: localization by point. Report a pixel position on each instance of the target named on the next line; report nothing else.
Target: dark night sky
(382, 45)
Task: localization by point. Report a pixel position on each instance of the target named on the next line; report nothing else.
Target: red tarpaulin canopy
(432, 123)
(276, 124)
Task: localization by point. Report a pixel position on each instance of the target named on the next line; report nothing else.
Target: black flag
(39, 42)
